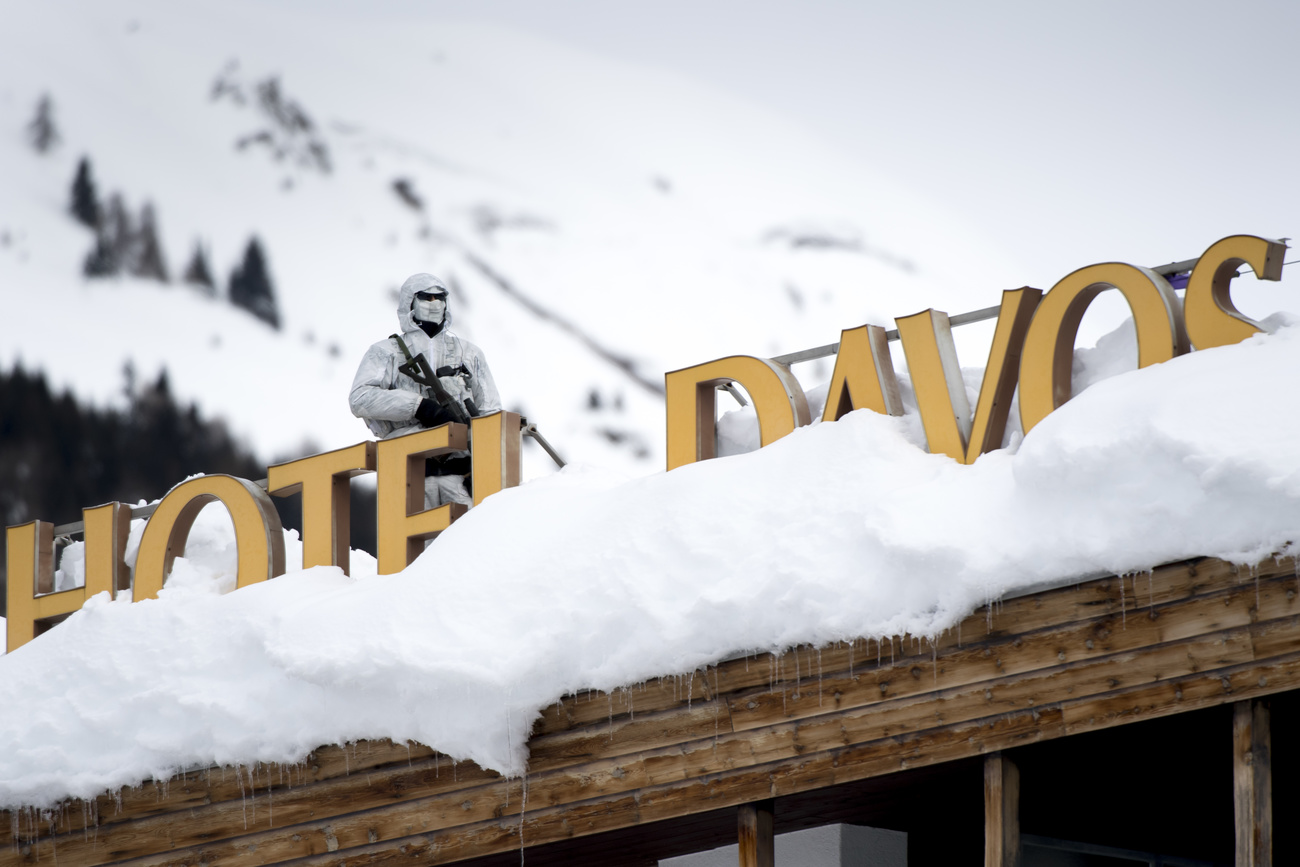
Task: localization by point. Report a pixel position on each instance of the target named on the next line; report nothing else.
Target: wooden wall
(672, 755)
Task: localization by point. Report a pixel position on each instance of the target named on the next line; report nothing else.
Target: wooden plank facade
(958, 741)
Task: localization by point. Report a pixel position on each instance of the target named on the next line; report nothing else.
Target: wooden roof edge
(152, 798)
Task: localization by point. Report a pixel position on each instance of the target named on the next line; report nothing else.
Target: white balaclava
(430, 306)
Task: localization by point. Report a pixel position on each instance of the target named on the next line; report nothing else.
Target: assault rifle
(418, 368)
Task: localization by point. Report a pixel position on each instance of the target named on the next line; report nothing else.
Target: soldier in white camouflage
(393, 403)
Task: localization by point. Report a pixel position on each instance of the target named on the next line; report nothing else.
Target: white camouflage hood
(406, 298)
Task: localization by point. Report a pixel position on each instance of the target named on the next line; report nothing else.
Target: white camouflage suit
(387, 400)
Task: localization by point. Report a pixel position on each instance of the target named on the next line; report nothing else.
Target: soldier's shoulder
(387, 346)
(467, 346)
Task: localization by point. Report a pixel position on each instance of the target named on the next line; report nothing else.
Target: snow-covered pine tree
(250, 286)
(112, 240)
(85, 201)
(197, 273)
(41, 131)
(146, 255)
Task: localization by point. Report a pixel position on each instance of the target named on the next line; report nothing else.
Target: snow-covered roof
(592, 580)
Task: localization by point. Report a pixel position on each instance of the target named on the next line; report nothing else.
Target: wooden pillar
(1001, 812)
(1252, 783)
(757, 844)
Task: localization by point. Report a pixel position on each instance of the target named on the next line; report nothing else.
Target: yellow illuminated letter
(692, 404)
(940, 390)
(864, 375)
(326, 500)
(1048, 358)
(404, 523)
(106, 530)
(1212, 319)
(259, 538)
(33, 604)
(494, 453)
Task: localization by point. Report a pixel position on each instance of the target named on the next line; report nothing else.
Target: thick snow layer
(589, 580)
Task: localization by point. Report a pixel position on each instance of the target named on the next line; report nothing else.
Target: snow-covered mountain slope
(601, 223)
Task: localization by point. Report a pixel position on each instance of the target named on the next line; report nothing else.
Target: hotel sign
(1033, 349)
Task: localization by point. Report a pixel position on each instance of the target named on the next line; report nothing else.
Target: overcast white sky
(1070, 133)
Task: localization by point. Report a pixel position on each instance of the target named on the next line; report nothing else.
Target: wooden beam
(1252, 783)
(1124, 598)
(405, 799)
(714, 788)
(1001, 812)
(1188, 636)
(756, 838)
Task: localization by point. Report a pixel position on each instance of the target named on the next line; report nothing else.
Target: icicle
(252, 791)
(819, 677)
(523, 812)
(510, 739)
(242, 799)
(1123, 614)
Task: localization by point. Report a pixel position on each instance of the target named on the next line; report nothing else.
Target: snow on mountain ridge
(649, 204)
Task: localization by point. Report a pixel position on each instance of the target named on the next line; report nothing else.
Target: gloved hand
(430, 414)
